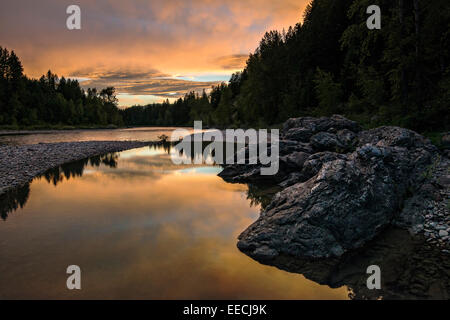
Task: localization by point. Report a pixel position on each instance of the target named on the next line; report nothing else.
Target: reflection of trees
(261, 195)
(258, 194)
(191, 151)
(109, 160)
(410, 268)
(13, 199)
(165, 145)
(17, 198)
(206, 149)
(76, 168)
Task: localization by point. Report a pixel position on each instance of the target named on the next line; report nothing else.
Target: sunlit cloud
(153, 48)
(232, 62)
(143, 87)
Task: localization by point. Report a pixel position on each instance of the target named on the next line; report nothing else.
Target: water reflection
(135, 134)
(13, 200)
(142, 227)
(17, 198)
(76, 168)
(261, 195)
(139, 227)
(410, 269)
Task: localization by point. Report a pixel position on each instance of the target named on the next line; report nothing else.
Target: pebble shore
(20, 164)
(436, 226)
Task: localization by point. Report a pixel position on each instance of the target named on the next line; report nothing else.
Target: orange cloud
(154, 37)
(232, 62)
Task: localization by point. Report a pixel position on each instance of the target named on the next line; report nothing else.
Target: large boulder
(293, 126)
(342, 207)
(341, 187)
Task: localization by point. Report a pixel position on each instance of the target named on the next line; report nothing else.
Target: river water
(52, 136)
(139, 227)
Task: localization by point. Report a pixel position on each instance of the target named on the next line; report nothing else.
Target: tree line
(332, 63)
(329, 63)
(26, 102)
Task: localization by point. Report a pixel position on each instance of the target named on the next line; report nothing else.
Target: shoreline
(21, 164)
(8, 132)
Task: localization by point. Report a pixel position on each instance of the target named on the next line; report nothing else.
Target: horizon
(156, 50)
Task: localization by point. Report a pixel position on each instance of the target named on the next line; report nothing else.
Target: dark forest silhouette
(28, 102)
(331, 63)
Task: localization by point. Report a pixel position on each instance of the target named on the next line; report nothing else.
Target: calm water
(135, 134)
(140, 228)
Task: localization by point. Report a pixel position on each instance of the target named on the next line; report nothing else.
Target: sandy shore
(20, 164)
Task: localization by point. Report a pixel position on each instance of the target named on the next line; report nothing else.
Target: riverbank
(20, 164)
(44, 131)
(10, 129)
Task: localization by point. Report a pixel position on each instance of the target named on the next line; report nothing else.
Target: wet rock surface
(410, 268)
(342, 186)
(20, 164)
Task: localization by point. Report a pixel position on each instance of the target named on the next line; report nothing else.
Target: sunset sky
(148, 50)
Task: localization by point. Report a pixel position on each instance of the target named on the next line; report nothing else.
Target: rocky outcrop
(341, 187)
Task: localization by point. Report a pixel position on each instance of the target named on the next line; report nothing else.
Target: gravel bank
(20, 164)
(436, 213)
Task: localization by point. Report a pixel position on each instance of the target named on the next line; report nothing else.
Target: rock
(324, 141)
(315, 125)
(345, 205)
(347, 138)
(289, 146)
(444, 181)
(341, 188)
(443, 233)
(395, 137)
(295, 160)
(299, 134)
(445, 140)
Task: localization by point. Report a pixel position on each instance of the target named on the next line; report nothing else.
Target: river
(52, 136)
(139, 227)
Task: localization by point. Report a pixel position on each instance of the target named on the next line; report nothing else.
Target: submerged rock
(341, 187)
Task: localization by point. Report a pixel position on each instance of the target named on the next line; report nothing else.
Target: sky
(149, 50)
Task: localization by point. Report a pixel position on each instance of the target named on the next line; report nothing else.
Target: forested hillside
(332, 63)
(48, 101)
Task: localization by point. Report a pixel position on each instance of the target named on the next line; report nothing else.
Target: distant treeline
(50, 101)
(331, 63)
